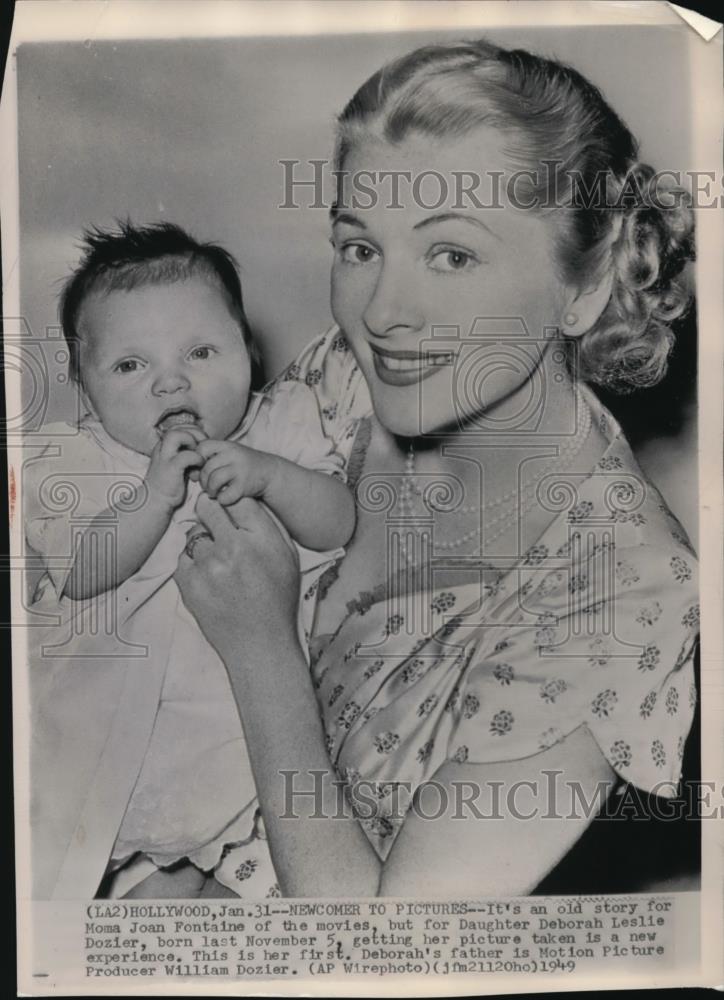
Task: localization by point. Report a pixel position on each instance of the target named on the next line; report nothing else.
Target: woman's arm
(491, 839)
(506, 824)
(243, 591)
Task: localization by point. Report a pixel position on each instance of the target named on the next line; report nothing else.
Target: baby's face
(163, 356)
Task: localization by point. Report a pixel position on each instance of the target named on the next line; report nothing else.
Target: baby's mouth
(179, 416)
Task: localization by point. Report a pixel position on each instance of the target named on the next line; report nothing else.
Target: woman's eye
(201, 353)
(129, 365)
(357, 253)
(449, 260)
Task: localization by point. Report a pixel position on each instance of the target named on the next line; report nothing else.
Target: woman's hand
(242, 582)
(242, 586)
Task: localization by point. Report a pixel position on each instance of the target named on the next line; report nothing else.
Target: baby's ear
(584, 307)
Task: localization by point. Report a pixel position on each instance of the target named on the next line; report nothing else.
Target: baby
(139, 753)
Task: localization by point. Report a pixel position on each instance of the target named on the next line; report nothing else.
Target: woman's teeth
(401, 371)
(401, 364)
(415, 364)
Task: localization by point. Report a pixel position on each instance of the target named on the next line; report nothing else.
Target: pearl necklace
(502, 521)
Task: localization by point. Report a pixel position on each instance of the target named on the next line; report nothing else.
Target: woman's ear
(583, 308)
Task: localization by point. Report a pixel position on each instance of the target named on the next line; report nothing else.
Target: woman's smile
(407, 367)
(411, 286)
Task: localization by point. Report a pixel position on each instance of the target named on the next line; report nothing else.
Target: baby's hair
(157, 254)
(549, 113)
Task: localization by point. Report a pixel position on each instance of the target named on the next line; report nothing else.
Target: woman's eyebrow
(346, 218)
(456, 217)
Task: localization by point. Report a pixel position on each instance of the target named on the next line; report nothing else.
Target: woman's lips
(408, 367)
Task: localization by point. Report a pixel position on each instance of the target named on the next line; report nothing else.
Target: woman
(517, 606)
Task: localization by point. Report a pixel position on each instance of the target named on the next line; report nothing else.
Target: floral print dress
(595, 625)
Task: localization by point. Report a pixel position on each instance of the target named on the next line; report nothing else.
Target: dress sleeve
(62, 489)
(288, 424)
(614, 656)
(327, 367)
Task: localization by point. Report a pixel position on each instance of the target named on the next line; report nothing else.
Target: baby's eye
(358, 253)
(451, 259)
(200, 353)
(127, 365)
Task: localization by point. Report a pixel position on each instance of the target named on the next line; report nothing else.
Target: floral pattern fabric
(595, 626)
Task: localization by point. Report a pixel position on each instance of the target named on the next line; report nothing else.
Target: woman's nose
(395, 302)
(170, 381)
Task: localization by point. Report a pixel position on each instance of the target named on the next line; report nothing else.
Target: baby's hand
(172, 457)
(232, 471)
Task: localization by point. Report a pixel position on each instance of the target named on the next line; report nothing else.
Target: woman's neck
(532, 422)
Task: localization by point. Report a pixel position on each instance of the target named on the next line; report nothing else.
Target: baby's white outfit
(170, 780)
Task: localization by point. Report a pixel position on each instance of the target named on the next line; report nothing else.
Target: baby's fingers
(181, 438)
(217, 480)
(230, 493)
(211, 465)
(186, 459)
(210, 447)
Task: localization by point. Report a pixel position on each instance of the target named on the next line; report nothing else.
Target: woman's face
(445, 307)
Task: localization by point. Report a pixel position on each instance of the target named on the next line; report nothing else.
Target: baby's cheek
(229, 408)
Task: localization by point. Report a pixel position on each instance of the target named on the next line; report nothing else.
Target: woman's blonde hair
(609, 211)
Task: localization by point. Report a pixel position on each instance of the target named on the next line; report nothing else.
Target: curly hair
(610, 212)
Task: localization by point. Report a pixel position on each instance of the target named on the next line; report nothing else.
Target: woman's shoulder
(325, 349)
(621, 540)
(328, 367)
(636, 509)
(620, 496)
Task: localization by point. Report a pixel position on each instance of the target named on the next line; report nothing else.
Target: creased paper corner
(704, 26)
